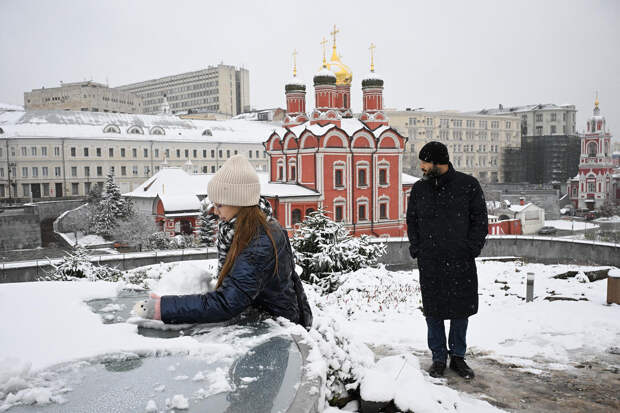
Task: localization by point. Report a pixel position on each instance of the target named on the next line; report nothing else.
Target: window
(591, 186)
(293, 172)
(483, 124)
(86, 152)
(122, 152)
(338, 179)
(167, 152)
(2, 194)
(186, 153)
(56, 151)
(539, 117)
(383, 176)
(539, 130)
(98, 152)
(73, 151)
(228, 153)
(257, 154)
(212, 169)
(212, 153)
(24, 172)
(33, 151)
(75, 189)
(219, 153)
(361, 177)
(470, 123)
(86, 187)
(123, 170)
(295, 216)
(592, 149)
(147, 170)
(145, 152)
(280, 172)
(553, 129)
(157, 152)
(57, 171)
(134, 152)
(134, 170)
(44, 171)
(204, 153)
(339, 211)
(24, 151)
(361, 212)
(508, 124)
(35, 171)
(383, 210)
(250, 154)
(26, 189)
(74, 171)
(554, 117)
(46, 189)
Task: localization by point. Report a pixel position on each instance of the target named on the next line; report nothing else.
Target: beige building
(48, 154)
(83, 96)
(475, 142)
(222, 88)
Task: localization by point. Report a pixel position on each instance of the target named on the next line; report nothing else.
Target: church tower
(595, 164)
(372, 97)
(295, 90)
(325, 111)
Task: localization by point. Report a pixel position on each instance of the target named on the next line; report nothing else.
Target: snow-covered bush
(76, 265)
(325, 249)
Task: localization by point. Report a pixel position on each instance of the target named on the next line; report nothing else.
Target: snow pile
(83, 240)
(565, 224)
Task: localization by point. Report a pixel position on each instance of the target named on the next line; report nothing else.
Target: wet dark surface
(262, 380)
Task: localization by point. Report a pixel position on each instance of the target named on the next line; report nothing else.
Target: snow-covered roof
(519, 208)
(78, 124)
(325, 72)
(187, 202)
(172, 184)
(525, 108)
(8, 107)
(349, 125)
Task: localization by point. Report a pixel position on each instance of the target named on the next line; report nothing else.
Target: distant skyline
(432, 54)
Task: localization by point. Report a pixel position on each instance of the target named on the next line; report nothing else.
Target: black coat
(447, 225)
(250, 282)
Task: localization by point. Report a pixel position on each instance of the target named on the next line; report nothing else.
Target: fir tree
(208, 224)
(110, 208)
(324, 248)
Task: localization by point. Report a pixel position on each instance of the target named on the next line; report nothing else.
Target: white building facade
(53, 154)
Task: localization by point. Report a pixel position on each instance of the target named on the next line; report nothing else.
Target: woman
(256, 266)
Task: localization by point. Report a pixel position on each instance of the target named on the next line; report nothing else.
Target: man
(447, 226)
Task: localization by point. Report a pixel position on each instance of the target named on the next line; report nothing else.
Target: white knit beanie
(235, 184)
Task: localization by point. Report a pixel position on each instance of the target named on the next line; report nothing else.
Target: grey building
(85, 96)
(550, 146)
(220, 89)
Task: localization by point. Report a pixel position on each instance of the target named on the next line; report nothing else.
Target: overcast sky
(461, 55)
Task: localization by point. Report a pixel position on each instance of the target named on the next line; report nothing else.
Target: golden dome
(343, 73)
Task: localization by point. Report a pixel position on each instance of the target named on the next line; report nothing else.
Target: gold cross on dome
(372, 56)
(323, 43)
(334, 33)
(294, 62)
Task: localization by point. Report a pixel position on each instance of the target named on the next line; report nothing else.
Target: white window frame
(339, 165)
(383, 164)
(359, 166)
(362, 201)
(342, 202)
(292, 163)
(280, 172)
(384, 200)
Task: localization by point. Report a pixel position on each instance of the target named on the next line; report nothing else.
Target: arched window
(296, 216)
(592, 149)
(135, 130)
(207, 132)
(1, 131)
(157, 130)
(309, 211)
(111, 129)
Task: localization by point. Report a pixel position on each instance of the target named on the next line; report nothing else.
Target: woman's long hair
(248, 221)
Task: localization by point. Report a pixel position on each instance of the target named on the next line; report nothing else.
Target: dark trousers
(456, 338)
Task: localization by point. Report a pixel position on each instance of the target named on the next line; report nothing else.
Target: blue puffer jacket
(251, 281)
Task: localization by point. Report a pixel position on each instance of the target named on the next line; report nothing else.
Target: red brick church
(349, 166)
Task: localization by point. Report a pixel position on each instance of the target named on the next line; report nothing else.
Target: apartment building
(475, 141)
(221, 89)
(83, 96)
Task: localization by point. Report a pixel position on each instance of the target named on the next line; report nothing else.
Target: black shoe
(437, 369)
(458, 364)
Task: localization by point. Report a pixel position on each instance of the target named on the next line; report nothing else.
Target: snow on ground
(372, 309)
(45, 324)
(565, 224)
(83, 240)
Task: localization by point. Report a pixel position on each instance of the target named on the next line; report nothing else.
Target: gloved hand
(149, 308)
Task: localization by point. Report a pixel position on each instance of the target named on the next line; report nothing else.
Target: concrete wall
(53, 209)
(33, 270)
(537, 249)
(20, 228)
